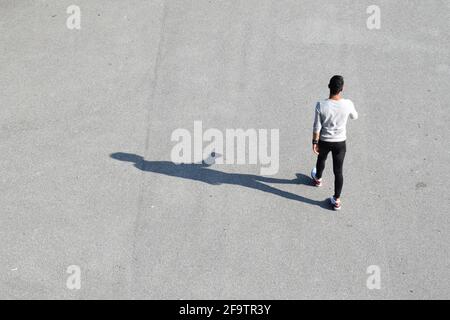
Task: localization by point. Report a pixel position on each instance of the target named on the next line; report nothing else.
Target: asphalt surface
(138, 70)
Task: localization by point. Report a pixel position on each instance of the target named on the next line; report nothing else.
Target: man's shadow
(202, 172)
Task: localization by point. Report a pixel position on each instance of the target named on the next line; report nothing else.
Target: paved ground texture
(138, 70)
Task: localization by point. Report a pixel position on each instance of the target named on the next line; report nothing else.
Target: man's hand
(315, 148)
(315, 139)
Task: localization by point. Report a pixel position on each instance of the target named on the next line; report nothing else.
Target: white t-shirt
(331, 119)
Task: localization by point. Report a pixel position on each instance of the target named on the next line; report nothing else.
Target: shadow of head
(134, 158)
(127, 157)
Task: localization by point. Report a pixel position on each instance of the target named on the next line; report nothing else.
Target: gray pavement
(138, 70)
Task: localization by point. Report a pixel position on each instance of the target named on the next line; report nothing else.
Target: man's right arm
(353, 113)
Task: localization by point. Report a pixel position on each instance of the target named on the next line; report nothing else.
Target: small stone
(420, 185)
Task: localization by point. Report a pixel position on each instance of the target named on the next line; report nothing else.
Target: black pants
(338, 150)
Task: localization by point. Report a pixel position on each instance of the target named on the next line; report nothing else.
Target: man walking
(329, 134)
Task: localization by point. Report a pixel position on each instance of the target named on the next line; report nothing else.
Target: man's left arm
(316, 129)
(315, 142)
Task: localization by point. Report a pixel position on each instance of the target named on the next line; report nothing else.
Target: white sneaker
(316, 182)
(336, 204)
